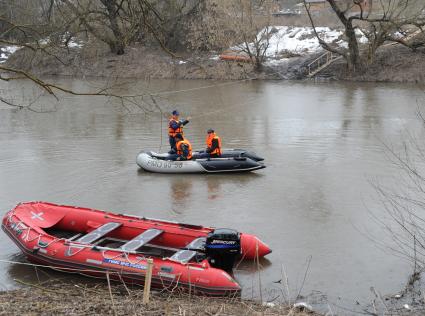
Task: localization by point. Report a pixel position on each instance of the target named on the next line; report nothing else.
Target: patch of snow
(6, 51)
(10, 49)
(399, 35)
(288, 12)
(276, 62)
(44, 41)
(303, 306)
(361, 37)
(74, 44)
(297, 40)
(70, 42)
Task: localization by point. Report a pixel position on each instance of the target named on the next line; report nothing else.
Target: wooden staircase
(321, 63)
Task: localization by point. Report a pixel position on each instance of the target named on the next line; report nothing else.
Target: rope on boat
(171, 287)
(110, 258)
(78, 270)
(139, 259)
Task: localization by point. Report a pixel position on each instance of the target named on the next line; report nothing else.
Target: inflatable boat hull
(81, 240)
(152, 162)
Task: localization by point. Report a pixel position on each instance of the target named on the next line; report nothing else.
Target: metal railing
(321, 62)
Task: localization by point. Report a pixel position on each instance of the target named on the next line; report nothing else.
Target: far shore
(392, 64)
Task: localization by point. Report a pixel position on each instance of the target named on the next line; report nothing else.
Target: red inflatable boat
(94, 242)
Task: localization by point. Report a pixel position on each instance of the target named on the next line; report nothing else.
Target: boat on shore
(231, 160)
(95, 243)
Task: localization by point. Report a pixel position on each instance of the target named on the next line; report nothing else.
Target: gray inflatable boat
(231, 160)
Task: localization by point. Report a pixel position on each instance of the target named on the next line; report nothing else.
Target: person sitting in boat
(184, 149)
(213, 144)
(175, 126)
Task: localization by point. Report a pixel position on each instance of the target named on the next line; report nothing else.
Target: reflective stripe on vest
(180, 151)
(173, 132)
(209, 140)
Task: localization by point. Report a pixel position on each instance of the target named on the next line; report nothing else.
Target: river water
(323, 144)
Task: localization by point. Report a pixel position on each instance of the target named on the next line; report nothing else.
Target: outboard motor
(222, 247)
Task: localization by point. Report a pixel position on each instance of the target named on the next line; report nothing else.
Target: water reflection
(213, 190)
(183, 189)
(252, 266)
(22, 273)
(181, 192)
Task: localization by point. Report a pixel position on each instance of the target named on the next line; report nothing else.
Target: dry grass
(392, 64)
(95, 60)
(68, 298)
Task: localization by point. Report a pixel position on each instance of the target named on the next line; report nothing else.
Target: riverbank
(56, 297)
(141, 62)
(394, 63)
(75, 297)
(289, 50)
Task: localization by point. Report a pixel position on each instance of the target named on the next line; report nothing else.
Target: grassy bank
(95, 60)
(393, 63)
(54, 297)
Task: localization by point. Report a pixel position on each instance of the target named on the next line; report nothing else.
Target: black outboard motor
(222, 247)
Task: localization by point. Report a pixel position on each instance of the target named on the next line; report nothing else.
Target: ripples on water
(322, 143)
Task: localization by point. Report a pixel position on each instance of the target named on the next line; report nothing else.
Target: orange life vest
(209, 140)
(173, 132)
(179, 148)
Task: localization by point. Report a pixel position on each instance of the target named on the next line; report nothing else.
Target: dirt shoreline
(73, 298)
(392, 64)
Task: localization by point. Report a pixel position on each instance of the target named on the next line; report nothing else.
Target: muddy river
(323, 144)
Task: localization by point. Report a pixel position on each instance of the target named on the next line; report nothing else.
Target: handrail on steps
(320, 62)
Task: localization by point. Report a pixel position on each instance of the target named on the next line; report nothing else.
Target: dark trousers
(172, 141)
(173, 157)
(207, 155)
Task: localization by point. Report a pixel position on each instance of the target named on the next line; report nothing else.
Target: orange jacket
(209, 141)
(174, 131)
(180, 149)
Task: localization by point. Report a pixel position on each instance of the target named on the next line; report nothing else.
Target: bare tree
(42, 35)
(379, 23)
(404, 200)
(241, 25)
(113, 22)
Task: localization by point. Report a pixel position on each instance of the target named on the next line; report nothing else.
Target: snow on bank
(290, 40)
(66, 39)
(6, 51)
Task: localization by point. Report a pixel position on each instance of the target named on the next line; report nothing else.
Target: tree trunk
(116, 44)
(353, 55)
(353, 47)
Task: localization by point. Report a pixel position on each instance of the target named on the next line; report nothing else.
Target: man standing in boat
(175, 126)
(183, 149)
